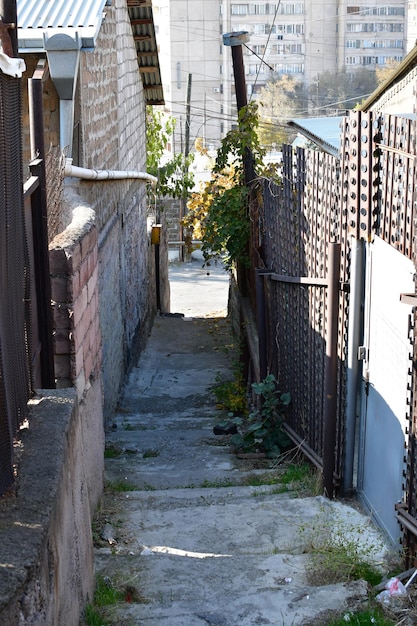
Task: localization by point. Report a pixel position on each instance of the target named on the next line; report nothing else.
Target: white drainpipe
(86, 174)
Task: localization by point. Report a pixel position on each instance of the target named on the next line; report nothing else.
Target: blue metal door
(386, 376)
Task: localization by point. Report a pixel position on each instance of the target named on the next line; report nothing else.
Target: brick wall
(110, 120)
(113, 137)
(74, 287)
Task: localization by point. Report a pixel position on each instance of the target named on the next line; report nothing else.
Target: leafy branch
(219, 213)
(174, 176)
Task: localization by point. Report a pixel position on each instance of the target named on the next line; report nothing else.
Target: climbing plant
(218, 214)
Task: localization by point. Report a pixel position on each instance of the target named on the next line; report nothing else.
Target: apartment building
(301, 38)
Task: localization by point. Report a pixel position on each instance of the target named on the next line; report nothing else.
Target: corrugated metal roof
(34, 17)
(141, 18)
(58, 16)
(323, 131)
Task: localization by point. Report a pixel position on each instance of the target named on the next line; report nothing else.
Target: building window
(291, 9)
(376, 10)
(354, 28)
(264, 29)
(287, 48)
(289, 68)
(239, 9)
(257, 9)
(289, 29)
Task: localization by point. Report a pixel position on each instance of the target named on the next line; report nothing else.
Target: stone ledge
(46, 553)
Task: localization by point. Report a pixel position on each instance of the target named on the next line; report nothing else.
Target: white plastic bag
(393, 588)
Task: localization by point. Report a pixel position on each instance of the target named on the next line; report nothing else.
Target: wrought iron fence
(301, 221)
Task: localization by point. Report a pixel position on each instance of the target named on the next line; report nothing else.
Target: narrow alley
(189, 533)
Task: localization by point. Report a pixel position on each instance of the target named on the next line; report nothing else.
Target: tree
(174, 176)
(383, 73)
(280, 100)
(338, 92)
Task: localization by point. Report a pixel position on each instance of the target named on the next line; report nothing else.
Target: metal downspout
(63, 54)
(354, 366)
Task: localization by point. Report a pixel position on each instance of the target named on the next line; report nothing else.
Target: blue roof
(323, 131)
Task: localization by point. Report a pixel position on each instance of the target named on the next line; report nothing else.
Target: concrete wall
(46, 543)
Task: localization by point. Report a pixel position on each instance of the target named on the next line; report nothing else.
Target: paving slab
(195, 542)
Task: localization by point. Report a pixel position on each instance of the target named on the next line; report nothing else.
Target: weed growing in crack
(373, 616)
(340, 552)
(119, 486)
(112, 452)
(109, 593)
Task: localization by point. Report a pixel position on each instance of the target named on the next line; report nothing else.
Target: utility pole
(236, 40)
(188, 117)
(183, 200)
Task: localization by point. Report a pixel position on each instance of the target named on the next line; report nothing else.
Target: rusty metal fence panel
(322, 199)
(370, 191)
(301, 218)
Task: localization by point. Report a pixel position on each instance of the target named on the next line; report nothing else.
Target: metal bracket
(409, 298)
(362, 353)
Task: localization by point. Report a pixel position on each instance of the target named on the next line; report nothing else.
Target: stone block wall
(110, 119)
(75, 300)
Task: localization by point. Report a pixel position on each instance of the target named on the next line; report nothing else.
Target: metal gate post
(330, 370)
(40, 230)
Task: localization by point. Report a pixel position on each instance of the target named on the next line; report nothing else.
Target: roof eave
(31, 39)
(321, 143)
(406, 64)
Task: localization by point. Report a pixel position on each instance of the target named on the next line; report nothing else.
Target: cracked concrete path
(190, 543)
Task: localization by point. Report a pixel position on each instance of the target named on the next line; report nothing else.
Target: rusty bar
(261, 322)
(8, 12)
(30, 186)
(299, 280)
(40, 234)
(330, 371)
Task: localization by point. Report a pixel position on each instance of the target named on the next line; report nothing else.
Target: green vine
(218, 215)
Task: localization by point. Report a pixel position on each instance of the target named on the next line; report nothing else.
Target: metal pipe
(354, 369)
(91, 174)
(331, 368)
